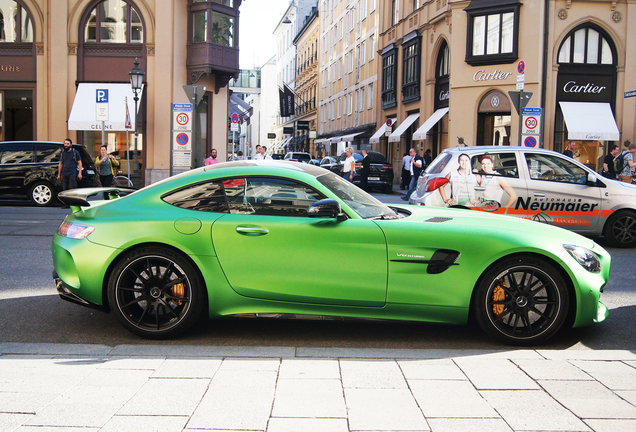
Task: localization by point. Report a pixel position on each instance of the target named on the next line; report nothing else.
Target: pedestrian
(257, 155)
(427, 157)
(264, 155)
(240, 156)
(570, 150)
(625, 175)
(212, 160)
(406, 171)
(365, 171)
(416, 163)
(69, 170)
(609, 170)
(106, 164)
(349, 167)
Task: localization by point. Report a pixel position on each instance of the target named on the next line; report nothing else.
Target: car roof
(496, 149)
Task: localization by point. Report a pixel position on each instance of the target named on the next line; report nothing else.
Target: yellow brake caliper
(499, 294)
(178, 290)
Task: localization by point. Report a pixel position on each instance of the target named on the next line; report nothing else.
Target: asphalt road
(31, 311)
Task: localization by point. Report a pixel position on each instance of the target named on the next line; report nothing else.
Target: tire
(387, 189)
(522, 300)
(156, 293)
(620, 229)
(42, 194)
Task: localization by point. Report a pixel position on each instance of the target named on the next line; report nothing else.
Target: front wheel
(620, 230)
(521, 301)
(156, 293)
(42, 193)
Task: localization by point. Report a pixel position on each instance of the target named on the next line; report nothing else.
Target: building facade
(452, 72)
(50, 49)
(348, 74)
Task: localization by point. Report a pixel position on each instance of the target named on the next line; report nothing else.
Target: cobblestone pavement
(58, 387)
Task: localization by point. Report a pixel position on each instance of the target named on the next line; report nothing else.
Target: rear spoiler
(79, 197)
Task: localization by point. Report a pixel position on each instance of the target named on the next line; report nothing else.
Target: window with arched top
(114, 21)
(586, 45)
(16, 24)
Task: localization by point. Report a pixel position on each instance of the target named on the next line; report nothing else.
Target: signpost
(102, 110)
(181, 153)
(531, 126)
(235, 128)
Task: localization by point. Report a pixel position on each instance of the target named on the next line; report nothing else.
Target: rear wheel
(620, 229)
(42, 193)
(156, 293)
(521, 301)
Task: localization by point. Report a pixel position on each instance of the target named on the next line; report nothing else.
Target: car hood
(492, 225)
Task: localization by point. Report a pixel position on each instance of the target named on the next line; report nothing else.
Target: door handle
(539, 194)
(252, 231)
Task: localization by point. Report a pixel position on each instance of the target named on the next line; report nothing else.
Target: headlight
(75, 231)
(588, 259)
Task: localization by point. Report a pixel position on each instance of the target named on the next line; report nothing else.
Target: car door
(558, 193)
(269, 248)
(16, 161)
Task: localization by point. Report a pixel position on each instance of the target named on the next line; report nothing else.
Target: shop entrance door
(16, 114)
(494, 119)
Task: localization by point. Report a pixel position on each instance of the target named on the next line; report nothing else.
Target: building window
(114, 21)
(394, 12)
(15, 23)
(493, 32)
(389, 77)
(411, 68)
(586, 46)
(371, 96)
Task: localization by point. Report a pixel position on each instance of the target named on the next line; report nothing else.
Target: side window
(208, 197)
(504, 164)
(554, 168)
(47, 153)
(14, 154)
(269, 197)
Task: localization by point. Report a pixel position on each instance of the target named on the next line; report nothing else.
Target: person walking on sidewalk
(69, 170)
(106, 164)
(416, 168)
(365, 171)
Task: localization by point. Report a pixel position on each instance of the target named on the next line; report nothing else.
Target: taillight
(358, 166)
(386, 167)
(435, 183)
(75, 231)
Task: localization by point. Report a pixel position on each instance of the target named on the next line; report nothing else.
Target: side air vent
(438, 219)
(441, 260)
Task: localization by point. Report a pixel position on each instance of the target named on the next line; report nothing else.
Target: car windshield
(366, 206)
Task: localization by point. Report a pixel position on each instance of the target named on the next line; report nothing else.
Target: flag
(128, 123)
(289, 97)
(283, 105)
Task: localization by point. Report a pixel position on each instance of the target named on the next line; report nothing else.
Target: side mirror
(326, 208)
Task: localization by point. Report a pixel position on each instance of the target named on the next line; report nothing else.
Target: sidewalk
(56, 387)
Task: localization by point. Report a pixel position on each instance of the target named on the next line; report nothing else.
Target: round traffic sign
(182, 139)
(531, 122)
(530, 141)
(389, 123)
(521, 66)
(235, 118)
(183, 119)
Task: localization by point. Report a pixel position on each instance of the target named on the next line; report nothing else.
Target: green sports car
(248, 237)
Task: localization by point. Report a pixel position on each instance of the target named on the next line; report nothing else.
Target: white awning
(395, 136)
(84, 109)
(591, 121)
(281, 143)
(350, 137)
(381, 130)
(420, 134)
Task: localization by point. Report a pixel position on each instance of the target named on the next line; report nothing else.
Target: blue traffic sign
(532, 111)
(530, 141)
(182, 139)
(521, 66)
(101, 95)
(181, 107)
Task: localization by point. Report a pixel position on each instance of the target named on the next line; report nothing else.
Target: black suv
(380, 170)
(28, 169)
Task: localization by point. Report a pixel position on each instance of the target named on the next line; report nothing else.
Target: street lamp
(136, 81)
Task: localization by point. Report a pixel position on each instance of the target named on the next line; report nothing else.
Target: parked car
(162, 256)
(298, 157)
(530, 183)
(28, 169)
(277, 156)
(380, 173)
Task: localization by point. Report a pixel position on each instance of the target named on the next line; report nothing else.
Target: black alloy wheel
(620, 230)
(156, 293)
(42, 193)
(521, 301)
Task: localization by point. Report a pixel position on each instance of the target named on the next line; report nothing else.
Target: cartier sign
(483, 75)
(585, 88)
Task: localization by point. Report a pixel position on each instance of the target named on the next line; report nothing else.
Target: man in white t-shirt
(264, 154)
(257, 155)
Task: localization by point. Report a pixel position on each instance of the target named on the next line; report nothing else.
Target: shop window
(389, 77)
(411, 68)
(493, 32)
(586, 46)
(114, 21)
(15, 23)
